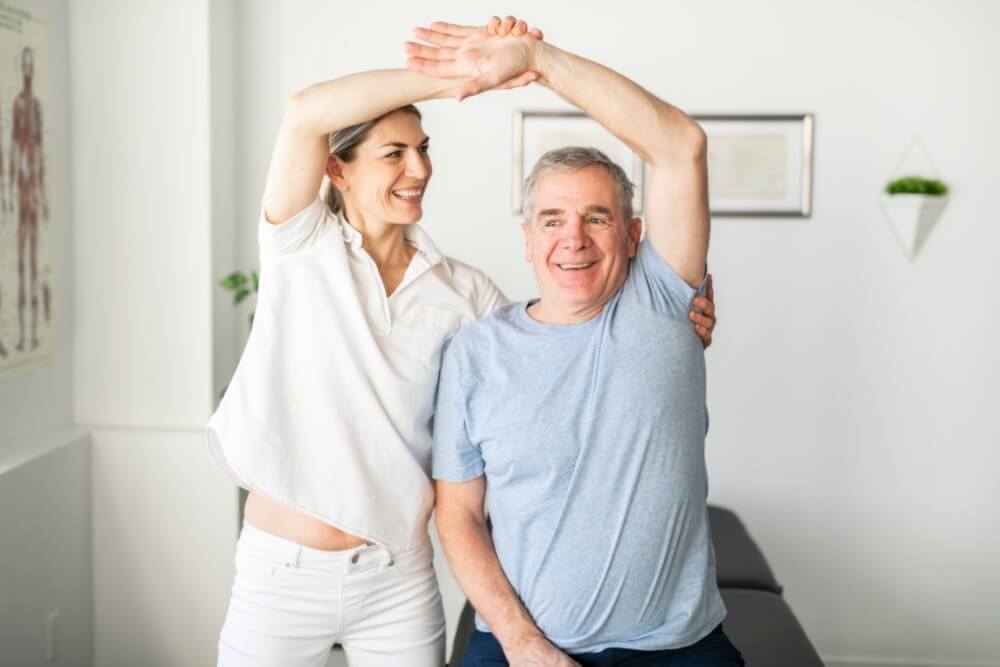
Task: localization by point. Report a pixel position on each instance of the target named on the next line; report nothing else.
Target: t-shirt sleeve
(296, 232)
(657, 282)
(455, 457)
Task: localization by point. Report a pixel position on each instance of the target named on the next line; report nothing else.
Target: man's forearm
(473, 559)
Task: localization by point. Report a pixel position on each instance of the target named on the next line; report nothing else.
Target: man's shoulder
(480, 335)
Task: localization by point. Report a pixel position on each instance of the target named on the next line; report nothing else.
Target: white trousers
(291, 604)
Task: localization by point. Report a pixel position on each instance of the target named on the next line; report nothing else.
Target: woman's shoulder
(473, 282)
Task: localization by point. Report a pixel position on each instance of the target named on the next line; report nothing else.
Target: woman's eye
(394, 154)
(425, 149)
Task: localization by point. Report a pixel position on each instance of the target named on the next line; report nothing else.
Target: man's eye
(550, 223)
(596, 221)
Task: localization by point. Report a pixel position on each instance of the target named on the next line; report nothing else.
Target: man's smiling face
(578, 243)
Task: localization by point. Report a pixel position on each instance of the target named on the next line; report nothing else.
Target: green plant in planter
(916, 185)
(242, 286)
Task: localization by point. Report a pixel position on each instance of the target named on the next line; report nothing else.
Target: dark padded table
(739, 562)
(764, 629)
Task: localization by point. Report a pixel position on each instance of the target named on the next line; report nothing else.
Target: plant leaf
(241, 295)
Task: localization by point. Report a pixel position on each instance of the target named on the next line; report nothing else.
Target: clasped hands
(498, 56)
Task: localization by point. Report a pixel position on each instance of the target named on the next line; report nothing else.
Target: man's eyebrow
(603, 210)
(550, 211)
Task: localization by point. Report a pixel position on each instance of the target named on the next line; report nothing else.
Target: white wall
(851, 391)
(45, 555)
(147, 185)
(45, 547)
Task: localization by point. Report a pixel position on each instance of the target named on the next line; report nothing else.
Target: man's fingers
(492, 25)
(520, 28)
(536, 33)
(507, 25)
(441, 69)
(710, 289)
(437, 38)
(454, 29)
(429, 52)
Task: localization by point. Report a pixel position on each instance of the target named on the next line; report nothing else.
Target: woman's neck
(386, 244)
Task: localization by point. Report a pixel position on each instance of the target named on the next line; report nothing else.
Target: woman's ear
(335, 172)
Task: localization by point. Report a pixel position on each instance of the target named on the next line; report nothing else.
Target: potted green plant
(242, 285)
(912, 205)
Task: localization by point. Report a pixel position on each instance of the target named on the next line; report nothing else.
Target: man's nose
(574, 235)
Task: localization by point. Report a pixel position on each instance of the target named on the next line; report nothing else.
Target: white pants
(291, 603)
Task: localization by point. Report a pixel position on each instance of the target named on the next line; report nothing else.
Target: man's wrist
(543, 56)
(516, 635)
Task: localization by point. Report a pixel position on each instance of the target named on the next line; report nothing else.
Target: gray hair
(575, 158)
(344, 144)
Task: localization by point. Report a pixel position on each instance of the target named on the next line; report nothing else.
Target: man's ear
(335, 172)
(634, 236)
(526, 231)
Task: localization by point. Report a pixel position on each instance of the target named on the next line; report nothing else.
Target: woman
(327, 419)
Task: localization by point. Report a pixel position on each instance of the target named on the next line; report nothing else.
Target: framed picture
(536, 132)
(758, 165)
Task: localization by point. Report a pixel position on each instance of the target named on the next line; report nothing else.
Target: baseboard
(901, 662)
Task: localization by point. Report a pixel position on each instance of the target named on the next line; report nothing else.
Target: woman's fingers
(704, 305)
(506, 25)
(702, 320)
(523, 79)
(536, 33)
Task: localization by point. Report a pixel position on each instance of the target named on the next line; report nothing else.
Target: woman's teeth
(408, 194)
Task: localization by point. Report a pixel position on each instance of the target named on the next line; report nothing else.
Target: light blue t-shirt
(592, 439)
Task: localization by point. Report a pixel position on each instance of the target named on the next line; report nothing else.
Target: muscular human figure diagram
(27, 178)
(4, 209)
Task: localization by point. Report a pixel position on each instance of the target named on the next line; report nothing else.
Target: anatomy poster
(28, 304)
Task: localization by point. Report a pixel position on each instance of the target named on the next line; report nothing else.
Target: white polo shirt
(330, 408)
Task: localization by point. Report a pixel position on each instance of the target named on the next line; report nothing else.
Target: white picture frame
(759, 165)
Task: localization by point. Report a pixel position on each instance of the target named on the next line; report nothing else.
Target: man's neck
(542, 312)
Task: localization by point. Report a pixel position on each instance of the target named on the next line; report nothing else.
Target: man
(27, 176)
(580, 417)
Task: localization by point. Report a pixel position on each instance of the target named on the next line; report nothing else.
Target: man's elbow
(683, 144)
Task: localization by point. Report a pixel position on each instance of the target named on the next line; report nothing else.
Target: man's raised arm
(669, 140)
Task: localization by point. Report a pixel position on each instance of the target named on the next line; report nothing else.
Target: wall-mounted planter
(911, 218)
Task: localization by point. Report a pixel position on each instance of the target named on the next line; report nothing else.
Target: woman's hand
(704, 322)
(482, 55)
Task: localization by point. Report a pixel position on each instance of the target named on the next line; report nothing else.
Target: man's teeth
(576, 266)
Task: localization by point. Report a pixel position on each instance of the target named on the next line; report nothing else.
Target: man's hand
(485, 56)
(704, 322)
(538, 652)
